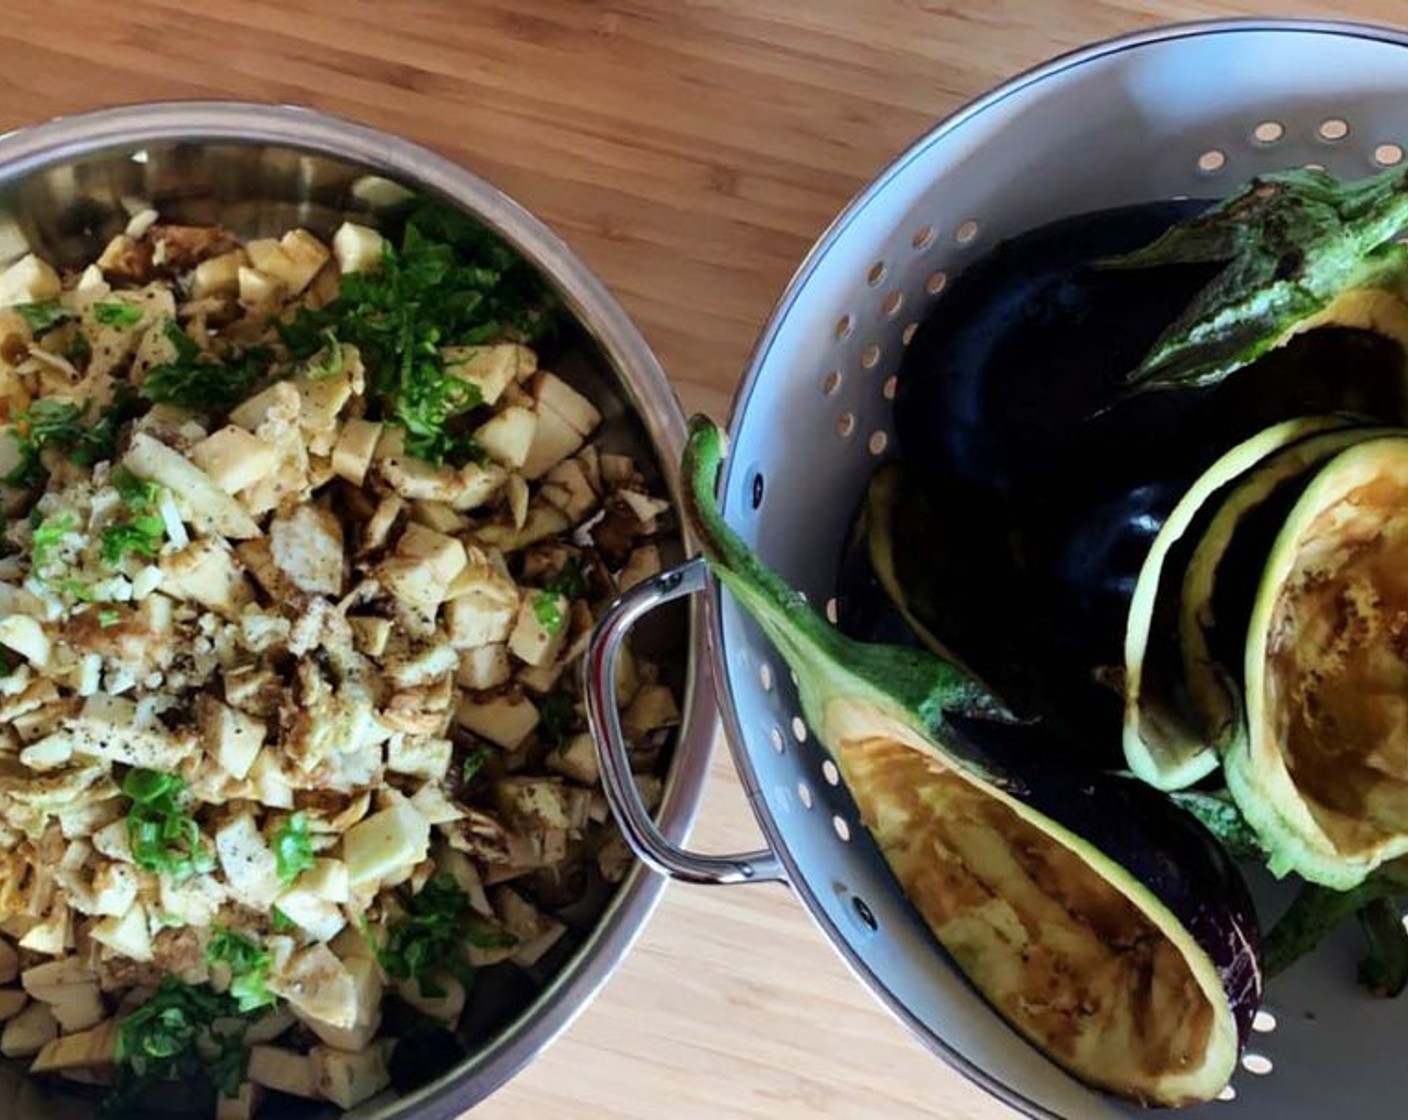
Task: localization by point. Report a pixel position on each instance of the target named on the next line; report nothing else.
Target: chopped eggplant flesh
(289, 654)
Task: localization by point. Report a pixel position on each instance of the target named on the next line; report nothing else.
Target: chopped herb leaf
(143, 530)
(327, 361)
(171, 1037)
(438, 923)
(282, 922)
(163, 836)
(41, 316)
(80, 349)
(197, 380)
(473, 763)
(449, 283)
(570, 582)
(49, 421)
(293, 848)
(48, 534)
(117, 313)
(249, 968)
(547, 609)
(109, 617)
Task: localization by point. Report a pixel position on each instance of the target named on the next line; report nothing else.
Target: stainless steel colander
(1183, 111)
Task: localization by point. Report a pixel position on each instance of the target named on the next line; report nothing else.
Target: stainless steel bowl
(69, 185)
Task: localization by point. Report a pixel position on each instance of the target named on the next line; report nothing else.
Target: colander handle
(655, 850)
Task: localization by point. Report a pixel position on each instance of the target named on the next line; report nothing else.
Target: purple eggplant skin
(1014, 417)
(1159, 844)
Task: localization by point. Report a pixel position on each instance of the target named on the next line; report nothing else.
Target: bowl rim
(73, 138)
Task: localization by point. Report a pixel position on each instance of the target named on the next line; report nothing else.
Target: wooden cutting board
(690, 152)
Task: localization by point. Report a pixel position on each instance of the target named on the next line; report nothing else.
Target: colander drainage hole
(844, 325)
(870, 356)
(935, 284)
(894, 300)
(967, 231)
(1228, 1093)
(1388, 155)
(830, 773)
(843, 830)
(1333, 129)
(876, 273)
(845, 425)
(908, 336)
(1264, 1022)
(799, 729)
(864, 913)
(878, 442)
(1268, 132)
(778, 743)
(756, 495)
(831, 382)
(923, 237)
(832, 610)
(765, 676)
(1212, 161)
(892, 384)
(804, 794)
(1258, 1064)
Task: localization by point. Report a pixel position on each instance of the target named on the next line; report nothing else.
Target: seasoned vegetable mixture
(301, 549)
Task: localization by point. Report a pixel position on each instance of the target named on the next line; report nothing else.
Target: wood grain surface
(690, 152)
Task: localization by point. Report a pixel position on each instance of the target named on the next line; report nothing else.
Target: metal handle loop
(640, 831)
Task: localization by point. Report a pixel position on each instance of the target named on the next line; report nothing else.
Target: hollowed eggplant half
(1101, 921)
(1016, 418)
(1220, 578)
(1164, 743)
(1321, 770)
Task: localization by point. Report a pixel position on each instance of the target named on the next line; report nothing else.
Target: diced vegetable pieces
(421, 756)
(540, 631)
(29, 280)
(577, 760)
(218, 276)
(247, 861)
(232, 736)
(127, 935)
(388, 842)
(9, 962)
(29, 1031)
(507, 436)
(482, 607)
(349, 1079)
(357, 248)
(484, 667)
(554, 439)
(352, 454)
(551, 392)
(203, 504)
(206, 572)
(307, 547)
(491, 369)
(366, 992)
(26, 637)
(243, 1105)
(234, 458)
(12, 1001)
(504, 720)
(284, 1070)
(91, 1048)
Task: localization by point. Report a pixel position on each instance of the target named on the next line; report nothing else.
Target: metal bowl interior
(68, 186)
(1182, 111)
